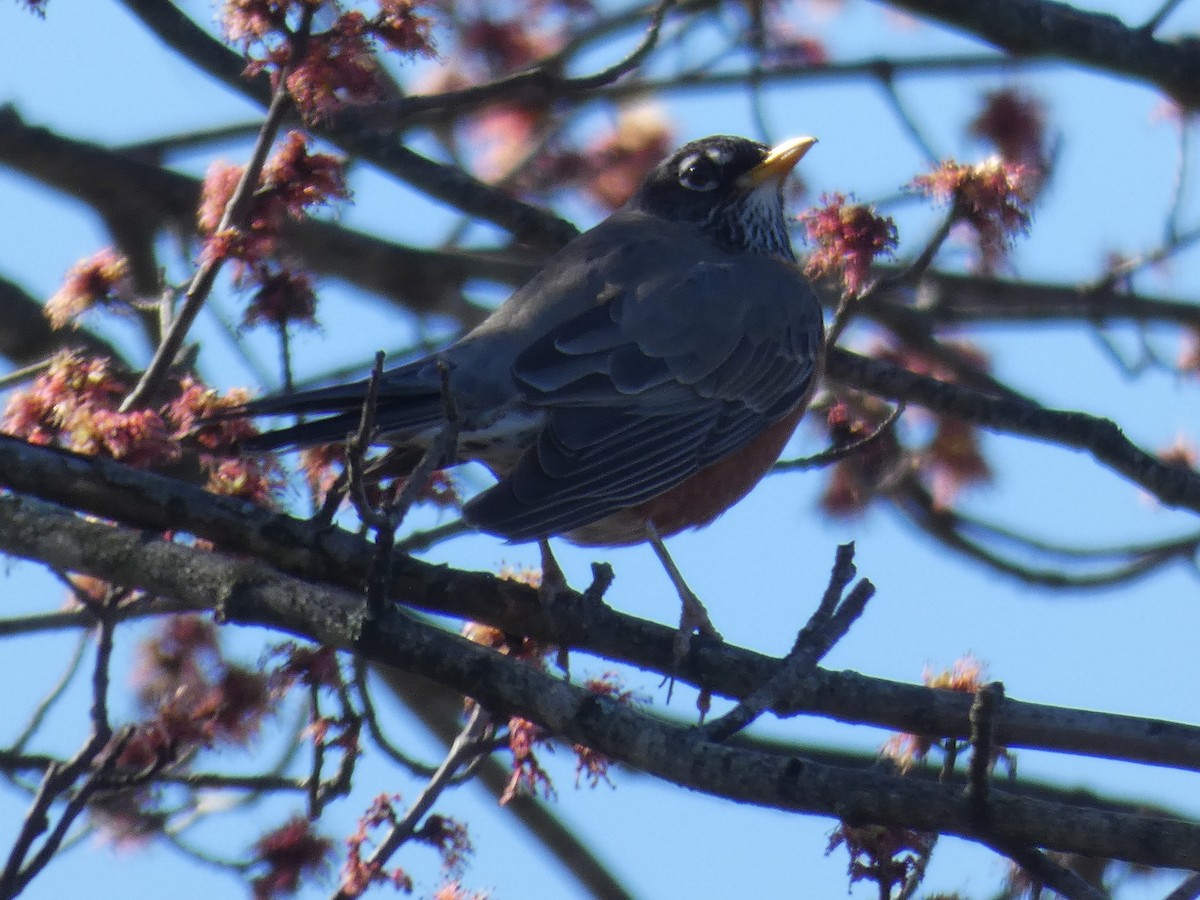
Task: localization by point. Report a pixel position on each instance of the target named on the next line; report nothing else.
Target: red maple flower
(100, 279)
(991, 197)
(848, 237)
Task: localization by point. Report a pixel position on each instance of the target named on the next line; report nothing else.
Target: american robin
(640, 384)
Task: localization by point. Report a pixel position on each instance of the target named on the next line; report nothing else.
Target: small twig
(1152, 24)
(916, 873)
(464, 750)
(58, 779)
(756, 41)
(543, 79)
(423, 540)
(234, 216)
(357, 447)
(1119, 273)
(953, 529)
(166, 310)
(949, 759)
(979, 772)
(158, 148)
(629, 63)
(836, 454)
(101, 729)
(362, 689)
(912, 273)
(907, 275)
(332, 501)
(56, 692)
(442, 450)
(832, 619)
(318, 755)
(1179, 190)
(72, 619)
(887, 81)
(285, 359)
(339, 785)
(1189, 889)
(1130, 368)
(602, 579)
(195, 854)
(1049, 873)
(849, 304)
(25, 373)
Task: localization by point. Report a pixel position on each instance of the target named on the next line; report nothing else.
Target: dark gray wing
(652, 385)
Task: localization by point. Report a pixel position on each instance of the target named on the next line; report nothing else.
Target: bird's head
(732, 187)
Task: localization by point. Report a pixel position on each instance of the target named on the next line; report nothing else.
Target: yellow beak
(779, 162)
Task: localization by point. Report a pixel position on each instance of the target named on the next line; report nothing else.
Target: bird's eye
(699, 173)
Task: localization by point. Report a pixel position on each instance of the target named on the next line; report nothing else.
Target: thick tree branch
(111, 490)
(249, 592)
(1097, 40)
(942, 298)
(121, 187)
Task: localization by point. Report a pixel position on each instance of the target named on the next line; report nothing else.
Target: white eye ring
(698, 172)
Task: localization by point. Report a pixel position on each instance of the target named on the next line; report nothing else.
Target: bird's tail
(403, 407)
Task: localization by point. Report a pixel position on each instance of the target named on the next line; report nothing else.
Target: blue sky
(88, 71)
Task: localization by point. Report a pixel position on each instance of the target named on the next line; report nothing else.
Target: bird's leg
(693, 617)
(554, 585)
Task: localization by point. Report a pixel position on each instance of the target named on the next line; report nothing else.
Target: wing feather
(651, 385)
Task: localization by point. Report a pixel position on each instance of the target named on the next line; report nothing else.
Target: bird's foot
(693, 617)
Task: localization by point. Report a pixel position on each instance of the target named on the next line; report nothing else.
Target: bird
(641, 383)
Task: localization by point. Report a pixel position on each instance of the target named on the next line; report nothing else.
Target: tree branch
(249, 592)
(1102, 438)
(1099, 41)
(110, 490)
(447, 183)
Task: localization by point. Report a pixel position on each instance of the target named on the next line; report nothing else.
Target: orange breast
(699, 499)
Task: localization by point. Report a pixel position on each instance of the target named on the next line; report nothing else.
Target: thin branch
(25, 373)
(832, 619)
(908, 123)
(462, 752)
(73, 619)
(1160, 15)
(236, 215)
(1102, 438)
(835, 454)
(1188, 889)
(951, 529)
(21, 868)
(983, 748)
(398, 756)
(55, 694)
(431, 537)
(1179, 188)
(443, 182)
(1047, 872)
